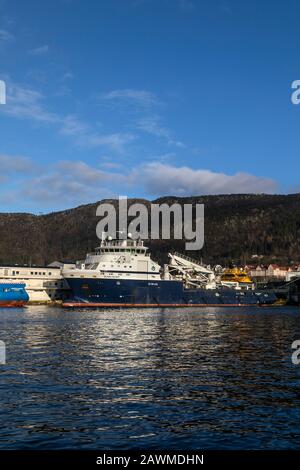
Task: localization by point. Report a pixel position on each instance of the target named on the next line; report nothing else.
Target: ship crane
(193, 273)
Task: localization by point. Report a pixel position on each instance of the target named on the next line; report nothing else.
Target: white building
(272, 271)
(292, 275)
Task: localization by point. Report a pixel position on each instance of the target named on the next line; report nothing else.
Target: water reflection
(215, 378)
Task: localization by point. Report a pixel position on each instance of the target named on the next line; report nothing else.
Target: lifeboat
(236, 276)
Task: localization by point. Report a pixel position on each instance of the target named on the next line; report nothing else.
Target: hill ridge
(237, 226)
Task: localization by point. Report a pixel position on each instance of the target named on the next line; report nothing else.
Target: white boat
(43, 283)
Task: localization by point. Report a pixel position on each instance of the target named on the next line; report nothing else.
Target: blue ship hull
(162, 293)
(13, 295)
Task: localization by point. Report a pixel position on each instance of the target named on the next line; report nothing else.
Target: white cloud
(64, 184)
(67, 76)
(53, 188)
(162, 179)
(141, 98)
(42, 50)
(110, 165)
(117, 141)
(69, 183)
(6, 36)
(141, 102)
(72, 126)
(15, 164)
(76, 182)
(26, 103)
(86, 137)
(84, 173)
(152, 125)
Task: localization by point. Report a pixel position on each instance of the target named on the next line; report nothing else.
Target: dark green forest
(236, 228)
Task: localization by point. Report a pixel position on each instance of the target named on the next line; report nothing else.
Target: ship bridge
(119, 258)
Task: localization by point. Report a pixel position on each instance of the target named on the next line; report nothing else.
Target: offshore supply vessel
(121, 273)
(13, 294)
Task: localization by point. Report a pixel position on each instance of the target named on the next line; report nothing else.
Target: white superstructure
(43, 284)
(125, 259)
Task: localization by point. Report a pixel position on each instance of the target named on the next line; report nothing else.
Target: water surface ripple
(149, 379)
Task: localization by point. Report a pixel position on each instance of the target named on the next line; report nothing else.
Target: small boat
(13, 294)
(236, 277)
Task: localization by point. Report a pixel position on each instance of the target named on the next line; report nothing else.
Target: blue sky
(146, 98)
